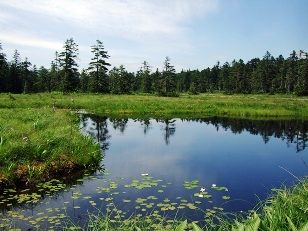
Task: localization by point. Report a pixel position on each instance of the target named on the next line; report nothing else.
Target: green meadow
(40, 140)
(151, 105)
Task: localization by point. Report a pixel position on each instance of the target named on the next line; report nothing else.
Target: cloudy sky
(193, 33)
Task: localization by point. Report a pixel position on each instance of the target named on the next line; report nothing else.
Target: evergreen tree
(301, 87)
(146, 79)
(168, 81)
(68, 65)
(292, 72)
(4, 71)
(156, 78)
(84, 81)
(15, 81)
(224, 83)
(25, 76)
(43, 83)
(98, 68)
(120, 80)
(280, 75)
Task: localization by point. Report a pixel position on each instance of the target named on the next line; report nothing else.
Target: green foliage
(98, 69)
(67, 60)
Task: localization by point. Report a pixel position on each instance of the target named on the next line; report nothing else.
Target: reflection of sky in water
(242, 162)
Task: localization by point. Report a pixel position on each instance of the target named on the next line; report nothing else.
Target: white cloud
(27, 40)
(138, 29)
(130, 19)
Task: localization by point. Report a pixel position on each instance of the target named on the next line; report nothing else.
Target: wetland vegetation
(47, 125)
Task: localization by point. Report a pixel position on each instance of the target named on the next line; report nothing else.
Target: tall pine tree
(98, 68)
(69, 71)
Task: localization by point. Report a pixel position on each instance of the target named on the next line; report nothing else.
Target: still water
(248, 157)
(170, 160)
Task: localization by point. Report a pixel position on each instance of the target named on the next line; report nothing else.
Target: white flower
(226, 190)
(26, 139)
(202, 190)
(144, 174)
(213, 185)
(200, 195)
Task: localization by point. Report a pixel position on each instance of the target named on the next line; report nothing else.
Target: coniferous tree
(68, 65)
(33, 80)
(43, 80)
(15, 81)
(84, 81)
(4, 71)
(291, 75)
(223, 78)
(146, 80)
(156, 78)
(301, 87)
(168, 81)
(120, 80)
(25, 76)
(98, 68)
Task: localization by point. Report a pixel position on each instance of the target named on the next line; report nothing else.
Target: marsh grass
(286, 209)
(185, 105)
(38, 144)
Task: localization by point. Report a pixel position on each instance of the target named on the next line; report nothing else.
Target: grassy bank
(37, 144)
(286, 210)
(211, 104)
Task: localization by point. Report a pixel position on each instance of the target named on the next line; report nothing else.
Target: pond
(160, 166)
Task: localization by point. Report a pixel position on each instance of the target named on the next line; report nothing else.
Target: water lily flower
(144, 174)
(226, 190)
(202, 190)
(200, 195)
(213, 185)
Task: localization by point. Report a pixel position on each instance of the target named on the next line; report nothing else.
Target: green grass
(286, 209)
(37, 144)
(151, 106)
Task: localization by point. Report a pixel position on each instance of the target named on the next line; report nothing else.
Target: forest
(267, 75)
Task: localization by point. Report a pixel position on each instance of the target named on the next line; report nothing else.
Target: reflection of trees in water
(293, 131)
(168, 127)
(145, 124)
(98, 129)
(120, 124)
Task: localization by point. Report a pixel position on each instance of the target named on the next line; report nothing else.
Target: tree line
(267, 75)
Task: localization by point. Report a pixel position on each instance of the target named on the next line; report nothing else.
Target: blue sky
(195, 34)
